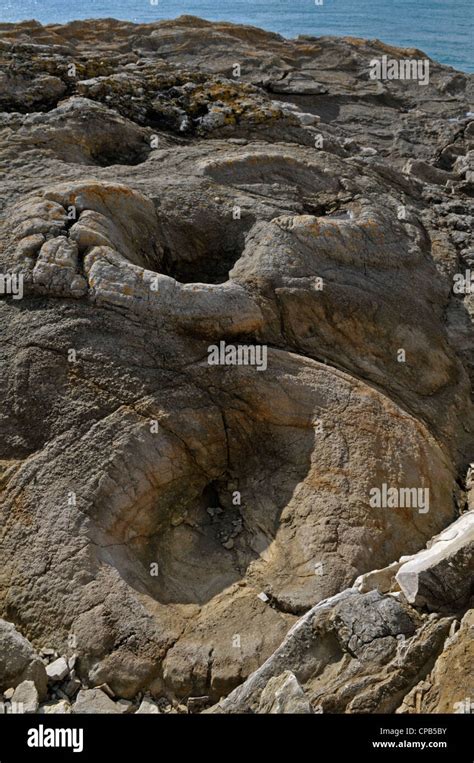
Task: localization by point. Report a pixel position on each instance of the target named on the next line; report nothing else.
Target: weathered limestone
(165, 522)
(284, 695)
(448, 688)
(18, 660)
(60, 707)
(57, 670)
(443, 575)
(26, 697)
(148, 707)
(352, 653)
(94, 701)
(378, 580)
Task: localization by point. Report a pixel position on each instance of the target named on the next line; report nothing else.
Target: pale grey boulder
(442, 576)
(26, 697)
(19, 661)
(94, 701)
(148, 707)
(57, 670)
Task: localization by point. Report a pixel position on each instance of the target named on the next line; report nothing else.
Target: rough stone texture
(93, 701)
(449, 688)
(382, 581)
(57, 670)
(154, 205)
(124, 706)
(353, 653)
(148, 707)
(284, 695)
(18, 660)
(61, 707)
(440, 577)
(443, 575)
(26, 695)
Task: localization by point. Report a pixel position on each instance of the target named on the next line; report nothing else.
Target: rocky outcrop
(327, 648)
(439, 578)
(443, 574)
(448, 688)
(353, 653)
(168, 519)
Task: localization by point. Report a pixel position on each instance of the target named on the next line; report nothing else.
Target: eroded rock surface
(353, 653)
(448, 688)
(165, 520)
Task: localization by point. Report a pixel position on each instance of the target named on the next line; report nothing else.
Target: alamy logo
(403, 69)
(464, 282)
(45, 737)
(238, 355)
(400, 498)
(14, 707)
(12, 283)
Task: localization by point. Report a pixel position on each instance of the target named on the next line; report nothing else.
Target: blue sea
(441, 28)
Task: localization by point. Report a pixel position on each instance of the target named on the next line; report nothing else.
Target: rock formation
(253, 536)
